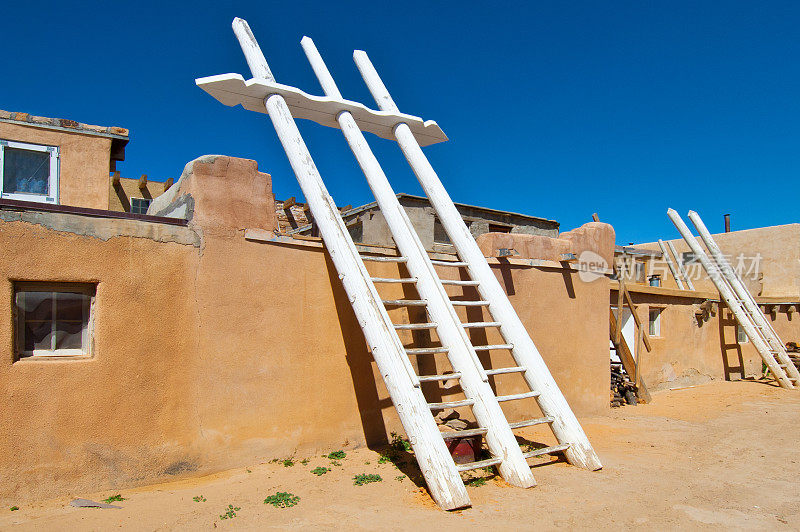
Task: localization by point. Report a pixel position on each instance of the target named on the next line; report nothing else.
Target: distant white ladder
(391, 355)
(740, 301)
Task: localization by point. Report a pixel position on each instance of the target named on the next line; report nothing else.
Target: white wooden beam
(665, 254)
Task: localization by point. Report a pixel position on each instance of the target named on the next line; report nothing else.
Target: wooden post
(474, 382)
(168, 183)
(551, 401)
(730, 299)
(672, 269)
(115, 179)
(143, 182)
(745, 297)
(388, 351)
(681, 268)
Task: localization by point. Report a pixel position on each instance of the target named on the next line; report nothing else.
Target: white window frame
(87, 333)
(654, 325)
(52, 196)
(741, 335)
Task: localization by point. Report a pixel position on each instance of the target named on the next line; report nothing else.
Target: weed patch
(282, 499)
(363, 478)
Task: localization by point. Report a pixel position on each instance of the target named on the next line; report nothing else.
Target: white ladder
(389, 352)
(740, 301)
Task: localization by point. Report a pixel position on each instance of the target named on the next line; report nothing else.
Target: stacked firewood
(793, 350)
(623, 391)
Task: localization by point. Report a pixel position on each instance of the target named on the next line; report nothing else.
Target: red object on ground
(465, 450)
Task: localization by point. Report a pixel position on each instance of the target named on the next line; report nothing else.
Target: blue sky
(553, 109)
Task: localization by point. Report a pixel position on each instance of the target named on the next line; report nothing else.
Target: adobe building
(199, 337)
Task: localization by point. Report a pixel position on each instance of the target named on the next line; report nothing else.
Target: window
(689, 258)
(741, 335)
(28, 172)
(655, 322)
(439, 234)
(140, 205)
(53, 319)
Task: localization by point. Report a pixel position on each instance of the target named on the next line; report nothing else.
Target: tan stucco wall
(779, 247)
(212, 351)
(83, 162)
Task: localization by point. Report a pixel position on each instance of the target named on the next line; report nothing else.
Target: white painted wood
(233, 89)
(551, 401)
(681, 269)
(454, 339)
(747, 299)
(430, 450)
(730, 299)
(665, 254)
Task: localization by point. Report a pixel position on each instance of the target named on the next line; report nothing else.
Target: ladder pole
(551, 401)
(744, 295)
(730, 299)
(679, 262)
(672, 269)
(499, 437)
(430, 450)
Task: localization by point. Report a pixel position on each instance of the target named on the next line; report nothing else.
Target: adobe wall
(212, 351)
(83, 166)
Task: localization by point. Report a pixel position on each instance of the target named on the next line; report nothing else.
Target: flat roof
(63, 124)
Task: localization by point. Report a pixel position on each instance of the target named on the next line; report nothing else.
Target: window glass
(53, 321)
(655, 322)
(26, 171)
(140, 205)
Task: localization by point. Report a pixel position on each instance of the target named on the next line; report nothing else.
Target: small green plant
(230, 512)
(399, 443)
(304, 461)
(399, 477)
(288, 462)
(276, 460)
(114, 498)
(335, 463)
(476, 482)
(282, 499)
(366, 463)
(14, 508)
(319, 471)
(199, 498)
(337, 455)
(363, 478)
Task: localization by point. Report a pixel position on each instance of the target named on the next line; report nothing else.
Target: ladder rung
(426, 350)
(379, 258)
(491, 347)
(477, 465)
(546, 450)
(464, 433)
(480, 324)
(500, 371)
(414, 326)
(449, 263)
(470, 303)
(405, 302)
(409, 280)
(532, 422)
(445, 377)
(514, 397)
(451, 404)
(458, 282)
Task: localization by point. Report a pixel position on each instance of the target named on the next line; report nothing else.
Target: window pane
(37, 335)
(26, 171)
(71, 306)
(140, 205)
(69, 335)
(36, 306)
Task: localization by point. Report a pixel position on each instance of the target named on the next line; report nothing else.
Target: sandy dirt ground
(720, 456)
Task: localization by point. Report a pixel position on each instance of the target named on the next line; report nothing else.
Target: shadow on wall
(370, 405)
(728, 344)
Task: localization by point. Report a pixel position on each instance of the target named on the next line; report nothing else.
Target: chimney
(727, 223)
